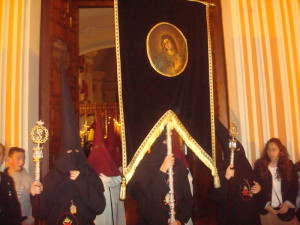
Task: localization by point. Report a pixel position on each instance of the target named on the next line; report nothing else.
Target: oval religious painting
(167, 49)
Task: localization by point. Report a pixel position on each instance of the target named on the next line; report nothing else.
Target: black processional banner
(163, 59)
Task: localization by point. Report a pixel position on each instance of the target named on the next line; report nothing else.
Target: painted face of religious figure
(168, 45)
(169, 61)
(167, 49)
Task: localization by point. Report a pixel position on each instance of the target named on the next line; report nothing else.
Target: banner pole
(171, 176)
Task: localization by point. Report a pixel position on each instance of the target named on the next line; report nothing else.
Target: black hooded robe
(242, 207)
(85, 192)
(149, 187)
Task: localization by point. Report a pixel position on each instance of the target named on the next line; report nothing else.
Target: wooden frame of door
(55, 22)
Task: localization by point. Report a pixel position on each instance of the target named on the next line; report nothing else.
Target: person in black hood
(238, 200)
(71, 192)
(149, 186)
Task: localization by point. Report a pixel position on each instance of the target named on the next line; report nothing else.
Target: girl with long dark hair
(276, 174)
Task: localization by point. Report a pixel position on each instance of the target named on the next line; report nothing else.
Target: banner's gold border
(119, 77)
(202, 2)
(211, 88)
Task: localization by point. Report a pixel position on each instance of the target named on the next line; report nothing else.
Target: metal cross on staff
(233, 131)
(39, 135)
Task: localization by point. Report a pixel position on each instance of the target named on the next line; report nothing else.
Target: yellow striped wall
(19, 72)
(262, 48)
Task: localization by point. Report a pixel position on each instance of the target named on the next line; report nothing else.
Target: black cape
(149, 187)
(85, 192)
(242, 207)
(10, 208)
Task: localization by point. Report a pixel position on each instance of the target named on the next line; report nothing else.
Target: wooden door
(59, 39)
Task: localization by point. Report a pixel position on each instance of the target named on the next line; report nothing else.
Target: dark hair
(284, 165)
(12, 150)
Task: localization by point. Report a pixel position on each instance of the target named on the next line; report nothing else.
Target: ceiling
(96, 29)
(97, 36)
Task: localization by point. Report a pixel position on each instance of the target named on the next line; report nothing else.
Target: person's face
(16, 161)
(168, 44)
(273, 152)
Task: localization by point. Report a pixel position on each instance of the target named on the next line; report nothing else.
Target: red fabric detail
(113, 143)
(100, 159)
(244, 192)
(85, 88)
(68, 216)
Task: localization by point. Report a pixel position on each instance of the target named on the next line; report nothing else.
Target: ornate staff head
(233, 131)
(39, 135)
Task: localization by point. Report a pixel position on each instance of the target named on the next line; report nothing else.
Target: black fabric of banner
(147, 94)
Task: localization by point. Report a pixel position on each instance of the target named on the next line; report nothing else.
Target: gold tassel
(214, 172)
(217, 182)
(123, 189)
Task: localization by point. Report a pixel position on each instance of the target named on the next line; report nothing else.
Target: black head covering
(153, 159)
(157, 154)
(141, 181)
(148, 186)
(70, 139)
(86, 191)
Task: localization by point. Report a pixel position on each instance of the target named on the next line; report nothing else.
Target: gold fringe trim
(214, 173)
(123, 189)
(211, 89)
(171, 118)
(204, 3)
(119, 77)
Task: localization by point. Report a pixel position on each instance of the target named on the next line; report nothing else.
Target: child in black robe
(149, 186)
